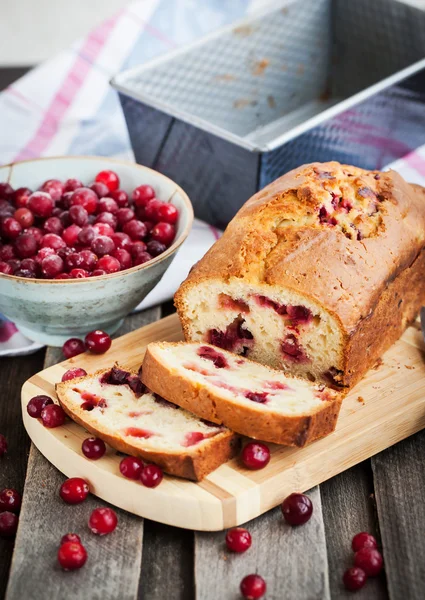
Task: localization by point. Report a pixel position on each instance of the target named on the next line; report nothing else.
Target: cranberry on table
(93, 448)
(363, 540)
(109, 178)
(71, 537)
(10, 499)
(98, 341)
(131, 467)
(151, 476)
(100, 189)
(354, 579)
(73, 347)
(74, 490)
(163, 233)
(297, 509)
(109, 264)
(142, 194)
(253, 587)
(73, 374)
(41, 204)
(103, 521)
(238, 539)
(8, 524)
(52, 416)
(255, 455)
(36, 405)
(3, 445)
(370, 560)
(86, 198)
(72, 556)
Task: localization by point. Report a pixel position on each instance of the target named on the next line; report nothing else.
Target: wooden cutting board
(386, 407)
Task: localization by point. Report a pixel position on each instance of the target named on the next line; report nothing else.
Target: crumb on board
(225, 77)
(360, 399)
(242, 102)
(378, 363)
(409, 366)
(243, 30)
(271, 101)
(260, 66)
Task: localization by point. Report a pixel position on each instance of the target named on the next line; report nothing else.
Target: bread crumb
(378, 363)
(260, 66)
(409, 366)
(360, 399)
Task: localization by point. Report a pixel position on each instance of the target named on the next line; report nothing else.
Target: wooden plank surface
(113, 567)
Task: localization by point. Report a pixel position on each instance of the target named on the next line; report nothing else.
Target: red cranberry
(87, 235)
(109, 264)
(3, 445)
(151, 476)
(41, 204)
(71, 185)
(363, 540)
(6, 191)
(52, 266)
(93, 448)
(8, 524)
(156, 248)
(54, 188)
(140, 258)
(131, 467)
(135, 229)
(6, 209)
(73, 373)
(103, 229)
(70, 537)
(25, 245)
(72, 347)
(151, 210)
(21, 197)
(62, 276)
(163, 233)
(78, 274)
(44, 253)
(78, 215)
(53, 225)
(103, 521)
(65, 219)
(7, 252)
(15, 264)
(107, 205)
(370, 560)
(123, 257)
(74, 490)
(72, 556)
(88, 260)
(109, 178)
(10, 499)
(51, 240)
(36, 405)
(167, 213)
(11, 228)
(24, 217)
(70, 235)
(137, 247)
(255, 455)
(124, 215)
(5, 268)
(120, 197)
(238, 539)
(100, 189)
(297, 509)
(65, 201)
(30, 264)
(354, 579)
(122, 241)
(108, 219)
(253, 587)
(98, 273)
(142, 194)
(86, 198)
(52, 416)
(102, 245)
(36, 232)
(98, 341)
(65, 252)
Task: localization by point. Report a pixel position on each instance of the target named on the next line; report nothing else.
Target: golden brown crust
(251, 421)
(192, 464)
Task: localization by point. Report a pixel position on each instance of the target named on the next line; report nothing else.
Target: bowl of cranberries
(82, 241)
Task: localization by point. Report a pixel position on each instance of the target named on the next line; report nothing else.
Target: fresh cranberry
(140, 257)
(87, 235)
(41, 204)
(93, 448)
(124, 215)
(65, 202)
(71, 185)
(78, 274)
(5, 268)
(109, 178)
(53, 225)
(100, 189)
(51, 240)
(103, 229)
(65, 219)
(163, 233)
(122, 241)
(44, 253)
(238, 539)
(88, 260)
(11, 500)
(151, 476)
(70, 235)
(74, 490)
(21, 197)
(354, 579)
(135, 229)
(297, 509)
(24, 273)
(123, 257)
(70, 537)
(155, 248)
(107, 205)
(25, 245)
(3, 445)
(142, 194)
(131, 467)
(54, 188)
(24, 217)
(167, 213)
(72, 347)
(78, 215)
(36, 232)
(102, 245)
(363, 540)
(97, 341)
(11, 228)
(120, 197)
(73, 373)
(150, 211)
(86, 198)
(52, 266)
(370, 560)
(52, 416)
(36, 405)
(255, 455)
(62, 276)
(6, 209)
(65, 252)
(7, 252)
(8, 524)
(107, 219)
(253, 586)
(30, 264)
(109, 264)
(98, 273)
(15, 264)
(103, 521)
(72, 556)
(6, 191)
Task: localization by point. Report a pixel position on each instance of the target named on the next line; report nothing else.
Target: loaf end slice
(250, 398)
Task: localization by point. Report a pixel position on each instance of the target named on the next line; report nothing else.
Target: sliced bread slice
(115, 406)
(250, 398)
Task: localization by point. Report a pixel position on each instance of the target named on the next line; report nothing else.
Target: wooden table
(143, 559)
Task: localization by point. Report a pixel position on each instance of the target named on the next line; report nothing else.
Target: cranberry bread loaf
(115, 406)
(249, 398)
(318, 273)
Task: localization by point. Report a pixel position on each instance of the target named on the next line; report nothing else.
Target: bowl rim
(155, 260)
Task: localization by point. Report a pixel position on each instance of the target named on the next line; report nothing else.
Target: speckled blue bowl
(50, 311)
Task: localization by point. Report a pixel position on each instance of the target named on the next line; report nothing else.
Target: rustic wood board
(386, 407)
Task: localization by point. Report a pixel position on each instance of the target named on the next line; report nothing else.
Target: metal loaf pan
(309, 80)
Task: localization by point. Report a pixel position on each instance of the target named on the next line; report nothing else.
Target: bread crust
(193, 464)
(252, 421)
(358, 282)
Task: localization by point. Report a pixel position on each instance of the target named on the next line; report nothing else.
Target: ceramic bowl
(50, 311)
